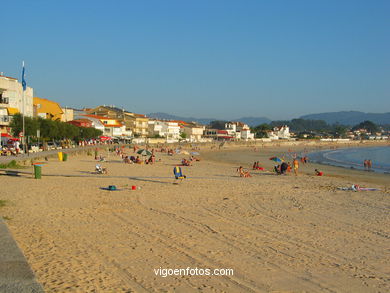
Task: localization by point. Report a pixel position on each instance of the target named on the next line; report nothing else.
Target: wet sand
(278, 233)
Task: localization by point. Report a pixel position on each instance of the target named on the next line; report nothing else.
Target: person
(277, 169)
(100, 169)
(283, 168)
(138, 160)
(178, 173)
(318, 173)
(17, 147)
(369, 164)
(365, 164)
(296, 166)
(243, 173)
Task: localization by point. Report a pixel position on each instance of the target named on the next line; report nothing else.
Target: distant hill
(350, 117)
(166, 116)
(251, 121)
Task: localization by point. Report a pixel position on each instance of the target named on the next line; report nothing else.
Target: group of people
(189, 162)
(12, 148)
(367, 165)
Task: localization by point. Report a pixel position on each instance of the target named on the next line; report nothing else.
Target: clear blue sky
(203, 58)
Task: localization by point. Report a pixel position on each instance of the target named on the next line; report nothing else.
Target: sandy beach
(278, 233)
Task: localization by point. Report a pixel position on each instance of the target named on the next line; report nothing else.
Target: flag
(24, 84)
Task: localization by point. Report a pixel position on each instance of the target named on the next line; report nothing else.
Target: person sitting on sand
(184, 162)
(101, 170)
(127, 160)
(277, 169)
(138, 160)
(318, 173)
(243, 173)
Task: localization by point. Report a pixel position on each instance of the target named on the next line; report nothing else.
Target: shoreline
(322, 157)
(248, 156)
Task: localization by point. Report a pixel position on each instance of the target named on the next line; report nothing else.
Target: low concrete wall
(16, 275)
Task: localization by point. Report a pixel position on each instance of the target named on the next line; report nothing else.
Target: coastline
(245, 156)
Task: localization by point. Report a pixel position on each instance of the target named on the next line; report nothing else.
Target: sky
(203, 58)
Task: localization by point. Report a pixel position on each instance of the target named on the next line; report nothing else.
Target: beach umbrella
(144, 152)
(195, 154)
(276, 159)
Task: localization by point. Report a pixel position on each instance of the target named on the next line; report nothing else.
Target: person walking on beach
(296, 166)
(365, 164)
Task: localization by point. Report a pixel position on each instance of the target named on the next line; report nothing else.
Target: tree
(370, 126)
(31, 125)
(261, 130)
(339, 130)
(218, 124)
(183, 135)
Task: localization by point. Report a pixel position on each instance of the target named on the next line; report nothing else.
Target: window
(3, 100)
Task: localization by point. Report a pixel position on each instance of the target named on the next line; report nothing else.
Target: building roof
(8, 77)
(98, 117)
(47, 106)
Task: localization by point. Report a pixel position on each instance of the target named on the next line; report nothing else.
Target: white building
(168, 129)
(239, 130)
(11, 101)
(282, 132)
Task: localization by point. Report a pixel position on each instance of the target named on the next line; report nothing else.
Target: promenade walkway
(16, 275)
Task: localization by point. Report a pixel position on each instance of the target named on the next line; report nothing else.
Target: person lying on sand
(318, 173)
(256, 166)
(243, 173)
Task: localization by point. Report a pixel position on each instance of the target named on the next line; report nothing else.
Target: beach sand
(278, 233)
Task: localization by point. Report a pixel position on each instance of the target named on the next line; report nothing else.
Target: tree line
(50, 129)
(305, 126)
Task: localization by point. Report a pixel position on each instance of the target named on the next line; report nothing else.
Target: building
(137, 124)
(68, 114)
(239, 130)
(167, 129)
(193, 131)
(282, 132)
(11, 101)
(47, 109)
(111, 126)
(217, 134)
(82, 123)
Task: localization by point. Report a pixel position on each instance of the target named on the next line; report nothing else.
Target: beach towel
(356, 187)
(110, 188)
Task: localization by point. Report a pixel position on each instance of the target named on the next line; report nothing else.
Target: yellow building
(47, 109)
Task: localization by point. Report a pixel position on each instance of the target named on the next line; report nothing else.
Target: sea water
(354, 158)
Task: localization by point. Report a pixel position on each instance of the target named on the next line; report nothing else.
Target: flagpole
(23, 137)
